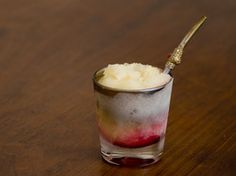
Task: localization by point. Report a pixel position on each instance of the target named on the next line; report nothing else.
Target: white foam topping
(133, 76)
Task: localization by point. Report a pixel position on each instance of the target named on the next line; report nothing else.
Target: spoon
(175, 57)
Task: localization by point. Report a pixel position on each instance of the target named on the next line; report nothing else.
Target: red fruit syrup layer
(135, 137)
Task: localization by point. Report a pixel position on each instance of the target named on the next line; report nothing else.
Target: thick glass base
(131, 157)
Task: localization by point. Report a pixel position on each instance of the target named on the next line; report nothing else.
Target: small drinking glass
(132, 123)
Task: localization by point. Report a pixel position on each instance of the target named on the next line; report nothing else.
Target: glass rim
(156, 88)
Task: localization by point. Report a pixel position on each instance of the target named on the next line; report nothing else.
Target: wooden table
(49, 51)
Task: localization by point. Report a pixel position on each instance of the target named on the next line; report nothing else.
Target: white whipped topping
(133, 76)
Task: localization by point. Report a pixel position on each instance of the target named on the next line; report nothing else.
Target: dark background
(49, 50)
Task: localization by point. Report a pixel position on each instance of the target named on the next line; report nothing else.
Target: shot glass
(132, 123)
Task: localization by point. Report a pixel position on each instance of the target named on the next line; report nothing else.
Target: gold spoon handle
(175, 57)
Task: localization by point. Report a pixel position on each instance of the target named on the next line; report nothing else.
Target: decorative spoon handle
(175, 57)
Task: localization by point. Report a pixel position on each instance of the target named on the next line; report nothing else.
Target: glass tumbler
(132, 123)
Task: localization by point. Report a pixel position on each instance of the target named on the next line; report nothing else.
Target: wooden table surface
(49, 50)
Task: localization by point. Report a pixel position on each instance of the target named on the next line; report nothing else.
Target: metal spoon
(175, 57)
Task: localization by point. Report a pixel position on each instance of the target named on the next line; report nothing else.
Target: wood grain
(49, 51)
